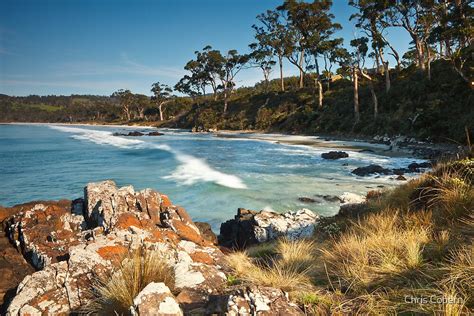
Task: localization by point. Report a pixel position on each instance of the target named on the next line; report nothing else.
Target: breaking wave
(190, 171)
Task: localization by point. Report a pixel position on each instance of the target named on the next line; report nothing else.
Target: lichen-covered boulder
(250, 227)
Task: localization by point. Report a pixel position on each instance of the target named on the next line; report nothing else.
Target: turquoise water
(210, 176)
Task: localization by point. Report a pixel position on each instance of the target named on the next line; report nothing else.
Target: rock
(351, 198)
(251, 227)
(134, 133)
(334, 155)
(371, 169)
(155, 133)
(351, 203)
(415, 167)
(155, 299)
(400, 171)
(306, 200)
(69, 249)
(206, 231)
(401, 178)
(329, 198)
(253, 300)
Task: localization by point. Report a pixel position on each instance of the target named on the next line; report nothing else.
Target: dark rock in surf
(333, 155)
(415, 167)
(155, 133)
(306, 200)
(329, 198)
(401, 178)
(371, 169)
(134, 133)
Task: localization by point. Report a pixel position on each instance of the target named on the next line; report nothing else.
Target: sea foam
(190, 171)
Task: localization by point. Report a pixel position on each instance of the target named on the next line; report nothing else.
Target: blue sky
(100, 46)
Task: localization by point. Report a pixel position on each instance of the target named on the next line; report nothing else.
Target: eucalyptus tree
(262, 57)
(455, 34)
(233, 63)
(190, 86)
(417, 18)
(313, 29)
(125, 98)
(371, 18)
(272, 33)
(162, 94)
(359, 56)
(206, 68)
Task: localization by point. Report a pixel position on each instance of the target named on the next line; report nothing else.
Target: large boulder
(333, 155)
(351, 204)
(69, 247)
(251, 227)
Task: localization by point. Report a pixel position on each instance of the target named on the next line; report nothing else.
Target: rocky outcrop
(70, 244)
(137, 133)
(333, 155)
(351, 203)
(251, 227)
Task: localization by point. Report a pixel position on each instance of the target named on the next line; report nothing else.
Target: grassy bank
(408, 250)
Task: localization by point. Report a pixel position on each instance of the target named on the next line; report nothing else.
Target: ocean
(209, 176)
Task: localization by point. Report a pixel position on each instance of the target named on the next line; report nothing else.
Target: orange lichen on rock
(165, 201)
(126, 220)
(200, 256)
(188, 233)
(112, 253)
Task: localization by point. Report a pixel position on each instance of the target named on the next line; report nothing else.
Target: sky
(96, 47)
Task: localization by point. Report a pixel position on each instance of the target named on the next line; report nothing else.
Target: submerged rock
(155, 133)
(305, 199)
(334, 155)
(251, 227)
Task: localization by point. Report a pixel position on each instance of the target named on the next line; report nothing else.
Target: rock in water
(251, 227)
(371, 169)
(332, 155)
(351, 203)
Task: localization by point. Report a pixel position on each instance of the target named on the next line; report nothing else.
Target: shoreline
(397, 146)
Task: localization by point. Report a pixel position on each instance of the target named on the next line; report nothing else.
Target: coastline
(398, 146)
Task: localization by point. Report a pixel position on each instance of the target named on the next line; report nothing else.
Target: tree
(205, 69)
(189, 86)
(416, 17)
(162, 94)
(273, 34)
(313, 28)
(126, 99)
(262, 57)
(372, 20)
(141, 102)
(232, 65)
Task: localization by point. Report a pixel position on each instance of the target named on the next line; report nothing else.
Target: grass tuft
(114, 292)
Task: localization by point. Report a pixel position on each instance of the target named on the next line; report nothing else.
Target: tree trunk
(301, 69)
(320, 92)
(374, 99)
(282, 81)
(420, 54)
(428, 62)
(356, 94)
(387, 77)
(127, 113)
(225, 97)
(160, 108)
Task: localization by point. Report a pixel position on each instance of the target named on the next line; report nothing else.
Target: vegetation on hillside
(410, 251)
(424, 92)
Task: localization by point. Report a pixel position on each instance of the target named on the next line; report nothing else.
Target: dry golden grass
(115, 292)
(289, 270)
(416, 241)
(381, 247)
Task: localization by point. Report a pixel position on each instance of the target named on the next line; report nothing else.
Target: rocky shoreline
(69, 243)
